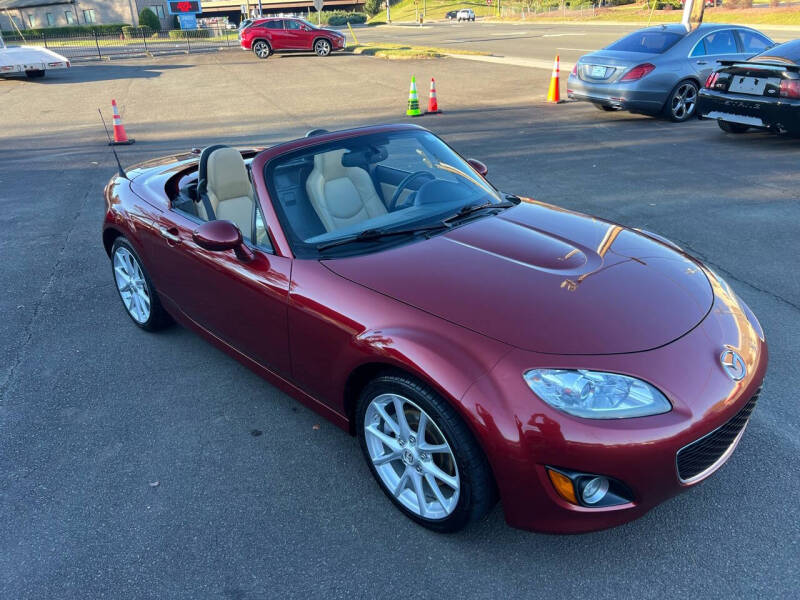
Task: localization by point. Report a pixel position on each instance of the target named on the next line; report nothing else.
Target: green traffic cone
(413, 100)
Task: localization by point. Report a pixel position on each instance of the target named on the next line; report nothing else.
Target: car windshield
(361, 193)
(784, 53)
(649, 41)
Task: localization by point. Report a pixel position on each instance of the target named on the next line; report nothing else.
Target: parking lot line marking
(579, 49)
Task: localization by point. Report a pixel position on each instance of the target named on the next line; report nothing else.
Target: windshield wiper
(369, 235)
(473, 208)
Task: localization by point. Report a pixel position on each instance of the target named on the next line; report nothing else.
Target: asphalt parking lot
(140, 465)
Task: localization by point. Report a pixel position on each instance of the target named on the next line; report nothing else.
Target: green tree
(373, 7)
(149, 19)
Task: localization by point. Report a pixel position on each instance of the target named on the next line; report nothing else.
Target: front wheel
(729, 127)
(262, 49)
(135, 288)
(322, 47)
(422, 454)
(682, 102)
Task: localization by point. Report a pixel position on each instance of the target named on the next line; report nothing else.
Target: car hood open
(546, 280)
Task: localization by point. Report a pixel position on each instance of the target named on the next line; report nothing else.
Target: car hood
(545, 279)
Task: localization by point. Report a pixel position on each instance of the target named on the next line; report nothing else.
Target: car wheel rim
(412, 457)
(323, 48)
(262, 50)
(131, 284)
(684, 101)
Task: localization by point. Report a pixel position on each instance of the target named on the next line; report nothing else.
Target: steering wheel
(404, 184)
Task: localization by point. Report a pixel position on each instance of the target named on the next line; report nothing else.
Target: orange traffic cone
(433, 102)
(553, 95)
(120, 137)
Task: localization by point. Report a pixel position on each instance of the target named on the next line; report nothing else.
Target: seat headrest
(202, 169)
(226, 174)
(329, 164)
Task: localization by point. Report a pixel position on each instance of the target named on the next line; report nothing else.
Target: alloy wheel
(322, 47)
(684, 101)
(411, 456)
(261, 49)
(132, 286)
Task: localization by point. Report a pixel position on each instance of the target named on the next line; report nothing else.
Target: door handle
(169, 235)
(701, 62)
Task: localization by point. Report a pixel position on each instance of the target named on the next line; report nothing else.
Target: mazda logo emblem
(733, 364)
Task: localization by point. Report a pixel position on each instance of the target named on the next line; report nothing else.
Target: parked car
(762, 92)
(465, 14)
(659, 70)
(451, 15)
(266, 36)
(475, 342)
(30, 61)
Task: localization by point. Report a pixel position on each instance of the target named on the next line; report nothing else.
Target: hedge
(71, 30)
(137, 32)
(182, 34)
(339, 17)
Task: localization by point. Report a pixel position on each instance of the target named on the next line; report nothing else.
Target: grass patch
(405, 10)
(406, 51)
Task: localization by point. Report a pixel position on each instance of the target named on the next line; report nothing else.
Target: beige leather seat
(229, 189)
(340, 195)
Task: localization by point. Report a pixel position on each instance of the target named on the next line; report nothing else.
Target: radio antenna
(110, 143)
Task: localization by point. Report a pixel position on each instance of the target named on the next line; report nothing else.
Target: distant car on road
(452, 15)
(659, 70)
(465, 14)
(762, 92)
(265, 36)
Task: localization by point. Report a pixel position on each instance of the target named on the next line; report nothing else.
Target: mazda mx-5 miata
(478, 344)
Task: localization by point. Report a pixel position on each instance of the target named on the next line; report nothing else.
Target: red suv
(266, 36)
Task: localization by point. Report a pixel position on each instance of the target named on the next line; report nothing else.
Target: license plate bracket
(597, 72)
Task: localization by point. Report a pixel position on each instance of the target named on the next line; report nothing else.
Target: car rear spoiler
(752, 63)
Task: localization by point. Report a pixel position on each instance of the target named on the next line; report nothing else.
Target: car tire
(141, 303)
(322, 47)
(35, 73)
(681, 104)
(729, 127)
(466, 490)
(262, 49)
(607, 108)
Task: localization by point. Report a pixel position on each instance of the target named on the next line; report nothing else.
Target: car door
(276, 34)
(712, 48)
(243, 303)
(297, 38)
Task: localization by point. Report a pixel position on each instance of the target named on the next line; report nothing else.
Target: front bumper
(635, 96)
(526, 435)
(756, 111)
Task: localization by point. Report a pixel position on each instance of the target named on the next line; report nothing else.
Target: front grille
(702, 454)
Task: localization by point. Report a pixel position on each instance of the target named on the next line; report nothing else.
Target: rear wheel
(135, 288)
(35, 73)
(682, 102)
(729, 127)
(422, 454)
(322, 47)
(262, 49)
(607, 108)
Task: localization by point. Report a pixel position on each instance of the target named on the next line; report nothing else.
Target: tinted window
(752, 42)
(720, 42)
(277, 24)
(291, 24)
(790, 51)
(655, 42)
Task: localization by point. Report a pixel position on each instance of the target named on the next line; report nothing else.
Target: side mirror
(481, 168)
(219, 236)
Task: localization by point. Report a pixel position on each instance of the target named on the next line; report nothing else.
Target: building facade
(40, 14)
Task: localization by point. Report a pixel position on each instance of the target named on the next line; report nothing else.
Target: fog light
(594, 490)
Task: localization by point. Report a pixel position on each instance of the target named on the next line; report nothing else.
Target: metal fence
(96, 45)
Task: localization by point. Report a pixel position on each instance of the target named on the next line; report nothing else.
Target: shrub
(182, 34)
(373, 7)
(71, 30)
(147, 18)
(137, 32)
(340, 17)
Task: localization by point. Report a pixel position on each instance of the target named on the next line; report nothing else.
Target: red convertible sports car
(478, 344)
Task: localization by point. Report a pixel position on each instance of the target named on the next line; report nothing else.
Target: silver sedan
(658, 70)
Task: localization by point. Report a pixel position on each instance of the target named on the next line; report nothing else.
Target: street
(154, 466)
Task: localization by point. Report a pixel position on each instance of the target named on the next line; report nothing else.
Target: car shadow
(87, 72)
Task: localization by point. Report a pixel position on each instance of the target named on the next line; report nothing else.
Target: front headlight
(596, 395)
